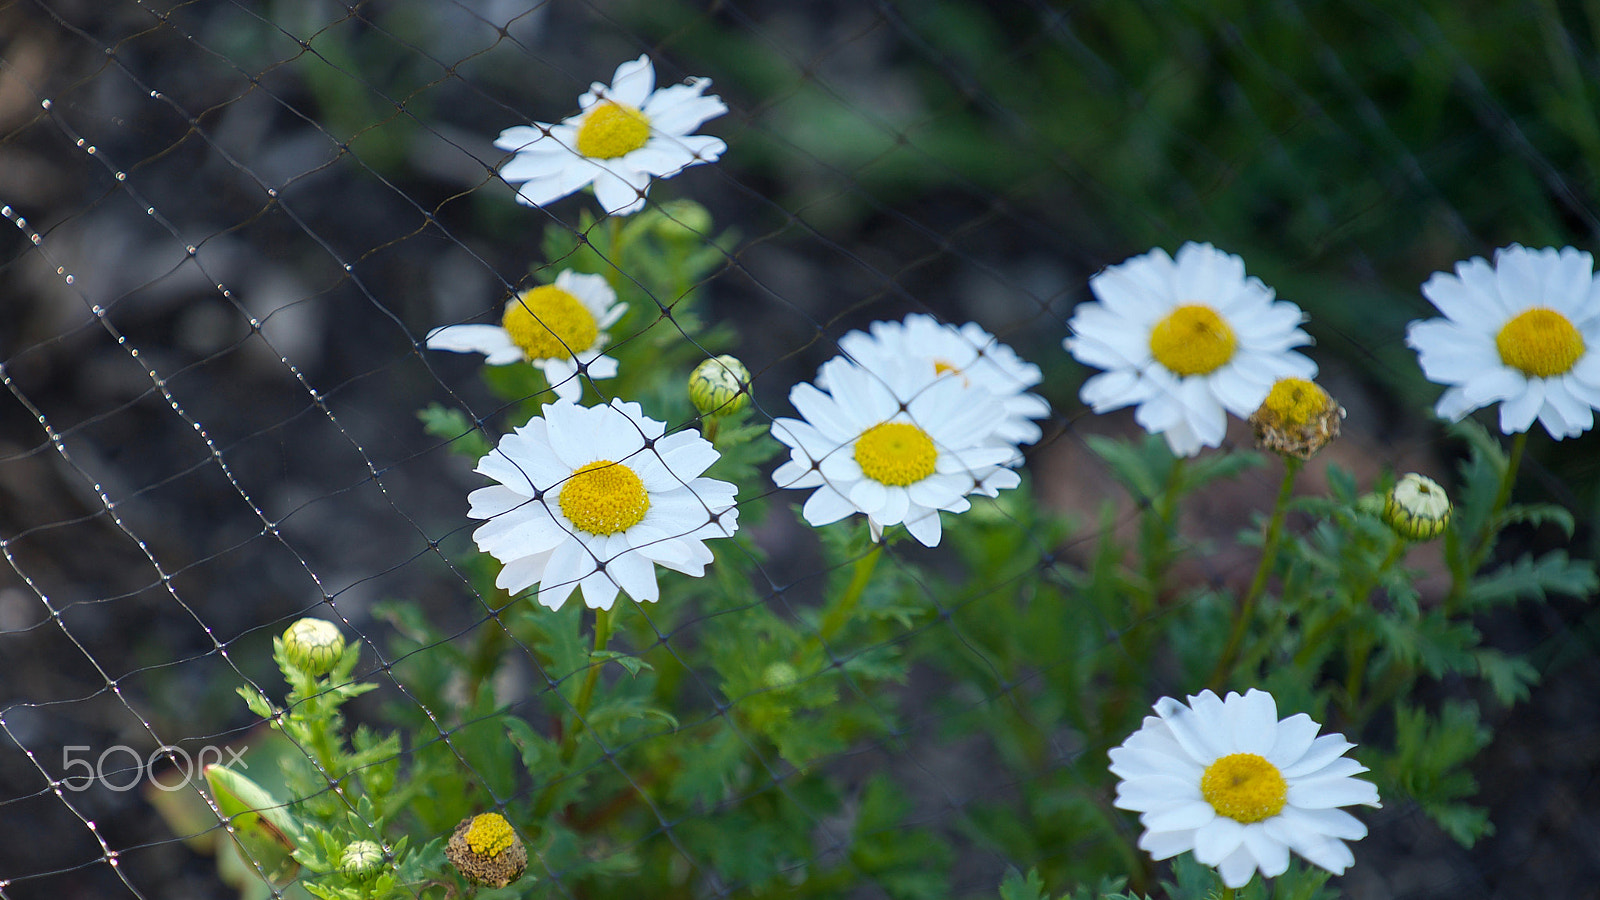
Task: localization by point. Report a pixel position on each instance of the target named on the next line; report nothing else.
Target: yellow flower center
(1193, 340)
(895, 453)
(549, 323)
(1540, 343)
(611, 130)
(1296, 402)
(489, 834)
(604, 497)
(1244, 787)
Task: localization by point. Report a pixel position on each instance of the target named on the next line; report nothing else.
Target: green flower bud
(313, 646)
(487, 850)
(683, 220)
(780, 675)
(720, 386)
(1417, 508)
(361, 859)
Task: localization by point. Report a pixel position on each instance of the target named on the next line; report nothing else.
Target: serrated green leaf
(1531, 579)
(632, 663)
(1017, 886)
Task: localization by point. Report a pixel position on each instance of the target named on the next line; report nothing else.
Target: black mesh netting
(232, 223)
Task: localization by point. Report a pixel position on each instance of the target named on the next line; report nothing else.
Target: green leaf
(267, 833)
(455, 426)
(1530, 579)
(1509, 676)
(1017, 886)
(632, 663)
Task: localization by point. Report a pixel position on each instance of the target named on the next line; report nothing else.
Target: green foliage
(711, 738)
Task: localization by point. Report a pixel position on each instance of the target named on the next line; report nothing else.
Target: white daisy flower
(1187, 341)
(558, 328)
(892, 444)
(1519, 333)
(622, 136)
(1229, 781)
(596, 496)
(967, 352)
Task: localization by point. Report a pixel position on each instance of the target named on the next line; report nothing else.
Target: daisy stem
(1159, 526)
(614, 245)
(1258, 584)
(838, 615)
(1483, 541)
(580, 709)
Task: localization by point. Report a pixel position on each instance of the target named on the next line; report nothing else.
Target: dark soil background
(230, 223)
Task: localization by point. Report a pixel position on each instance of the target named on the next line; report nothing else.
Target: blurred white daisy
(1229, 781)
(967, 352)
(557, 328)
(1520, 333)
(1187, 341)
(894, 445)
(622, 136)
(597, 497)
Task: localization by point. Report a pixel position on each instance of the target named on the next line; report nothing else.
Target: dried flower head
(1297, 419)
(487, 851)
(1417, 508)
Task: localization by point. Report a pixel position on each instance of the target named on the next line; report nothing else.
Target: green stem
(580, 708)
(1227, 892)
(1357, 597)
(580, 712)
(1258, 584)
(838, 615)
(1472, 558)
(1159, 525)
(615, 242)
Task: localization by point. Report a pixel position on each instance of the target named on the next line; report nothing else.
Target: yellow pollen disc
(489, 834)
(1244, 787)
(1193, 340)
(1297, 402)
(549, 323)
(1540, 343)
(611, 130)
(604, 497)
(895, 453)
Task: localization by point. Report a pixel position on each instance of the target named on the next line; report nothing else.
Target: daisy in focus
(968, 353)
(558, 328)
(894, 445)
(1520, 333)
(623, 135)
(1186, 341)
(596, 497)
(1228, 781)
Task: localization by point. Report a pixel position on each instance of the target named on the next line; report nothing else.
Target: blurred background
(227, 226)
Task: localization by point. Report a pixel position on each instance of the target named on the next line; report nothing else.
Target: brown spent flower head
(487, 851)
(1297, 419)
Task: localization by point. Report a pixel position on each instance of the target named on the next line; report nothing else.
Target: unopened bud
(1417, 508)
(361, 859)
(720, 386)
(683, 220)
(313, 646)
